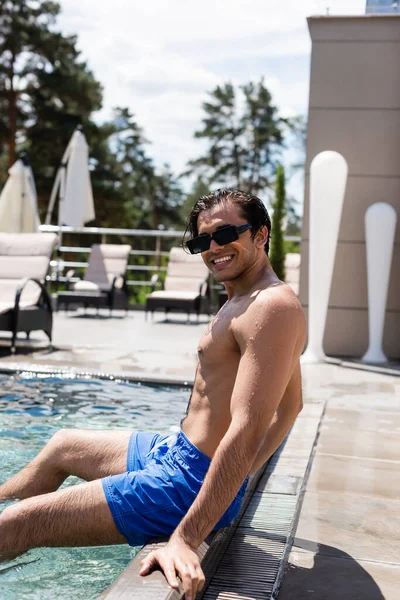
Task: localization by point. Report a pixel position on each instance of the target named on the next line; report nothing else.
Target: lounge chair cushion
(185, 272)
(90, 286)
(86, 286)
(176, 295)
(185, 283)
(23, 255)
(105, 262)
(4, 307)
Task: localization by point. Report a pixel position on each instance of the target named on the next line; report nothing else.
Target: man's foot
(6, 556)
(17, 564)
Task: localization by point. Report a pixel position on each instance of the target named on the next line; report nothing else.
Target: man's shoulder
(276, 297)
(275, 304)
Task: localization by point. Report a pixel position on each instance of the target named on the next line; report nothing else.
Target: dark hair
(252, 208)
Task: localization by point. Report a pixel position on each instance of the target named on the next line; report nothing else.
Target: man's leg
(85, 453)
(75, 516)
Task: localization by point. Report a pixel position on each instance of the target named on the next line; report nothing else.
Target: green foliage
(265, 135)
(298, 140)
(224, 130)
(277, 250)
(291, 247)
(46, 90)
(244, 143)
(199, 188)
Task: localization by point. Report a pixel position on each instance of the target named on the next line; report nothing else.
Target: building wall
(355, 109)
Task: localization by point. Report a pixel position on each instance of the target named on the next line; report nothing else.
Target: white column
(328, 177)
(380, 227)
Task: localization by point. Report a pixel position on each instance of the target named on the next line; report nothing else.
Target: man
(246, 396)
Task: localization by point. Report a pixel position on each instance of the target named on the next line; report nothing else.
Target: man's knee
(11, 522)
(63, 437)
(66, 439)
(9, 515)
(62, 446)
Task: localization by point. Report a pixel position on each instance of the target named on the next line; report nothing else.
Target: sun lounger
(25, 304)
(185, 286)
(104, 283)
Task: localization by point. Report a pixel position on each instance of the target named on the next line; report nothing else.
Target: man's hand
(177, 559)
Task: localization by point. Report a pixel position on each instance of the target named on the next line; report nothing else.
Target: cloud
(159, 58)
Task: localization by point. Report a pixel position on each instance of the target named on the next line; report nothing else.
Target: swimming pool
(32, 409)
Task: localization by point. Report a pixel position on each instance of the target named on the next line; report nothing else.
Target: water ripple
(32, 409)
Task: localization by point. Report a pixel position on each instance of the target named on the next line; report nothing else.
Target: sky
(161, 57)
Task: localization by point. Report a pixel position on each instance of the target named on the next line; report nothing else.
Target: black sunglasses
(224, 235)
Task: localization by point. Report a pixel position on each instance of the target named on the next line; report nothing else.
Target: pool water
(32, 409)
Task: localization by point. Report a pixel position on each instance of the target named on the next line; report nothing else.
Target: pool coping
(186, 380)
(168, 380)
(270, 486)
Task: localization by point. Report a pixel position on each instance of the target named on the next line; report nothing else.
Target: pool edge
(147, 378)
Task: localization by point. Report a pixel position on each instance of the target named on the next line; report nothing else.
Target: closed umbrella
(18, 201)
(73, 186)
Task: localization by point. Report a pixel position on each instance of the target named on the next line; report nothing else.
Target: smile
(222, 259)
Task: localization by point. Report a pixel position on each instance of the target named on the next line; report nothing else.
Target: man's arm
(269, 344)
(288, 409)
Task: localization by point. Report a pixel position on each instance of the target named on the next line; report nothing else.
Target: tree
(264, 134)
(163, 199)
(151, 196)
(223, 129)
(199, 188)
(23, 27)
(45, 89)
(62, 95)
(297, 140)
(118, 158)
(277, 253)
(243, 143)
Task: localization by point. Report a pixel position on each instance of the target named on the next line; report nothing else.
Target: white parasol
(18, 201)
(73, 186)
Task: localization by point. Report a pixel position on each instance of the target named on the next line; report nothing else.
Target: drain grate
(250, 565)
(245, 561)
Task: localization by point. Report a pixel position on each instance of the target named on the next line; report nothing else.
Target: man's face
(228, 262)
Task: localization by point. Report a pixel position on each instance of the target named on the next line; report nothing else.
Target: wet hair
(252, 209)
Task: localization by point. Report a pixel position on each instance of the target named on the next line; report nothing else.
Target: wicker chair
(25, 304)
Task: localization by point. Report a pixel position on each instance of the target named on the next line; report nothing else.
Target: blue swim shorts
(164, 475)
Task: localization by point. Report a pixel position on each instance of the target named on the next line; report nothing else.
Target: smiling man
(245, 398)
(247, 389)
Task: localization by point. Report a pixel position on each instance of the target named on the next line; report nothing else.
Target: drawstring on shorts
(169, 441)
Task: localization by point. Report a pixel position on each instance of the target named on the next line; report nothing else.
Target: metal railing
(103, 235)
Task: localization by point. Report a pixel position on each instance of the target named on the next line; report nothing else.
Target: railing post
(158, 251)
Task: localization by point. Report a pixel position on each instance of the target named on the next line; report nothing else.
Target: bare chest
(218, 343)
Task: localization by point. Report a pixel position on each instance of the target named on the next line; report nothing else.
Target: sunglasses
(224, 235)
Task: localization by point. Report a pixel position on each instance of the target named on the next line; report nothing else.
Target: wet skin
(219, 354)
(247, 389)
(246, 396)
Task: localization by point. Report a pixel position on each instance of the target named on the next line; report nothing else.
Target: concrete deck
(346, 540)
(124, 346)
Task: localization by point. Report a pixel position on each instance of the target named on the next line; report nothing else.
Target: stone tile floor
(347, 542)
(126, 346)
